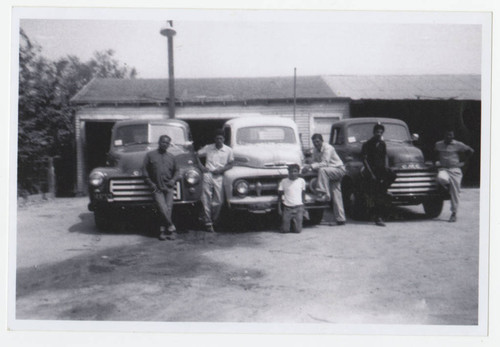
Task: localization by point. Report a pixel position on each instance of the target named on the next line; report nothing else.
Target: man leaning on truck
(450, 167)
(378, 174)
(330, 168)
(161, 172)
(219, 159)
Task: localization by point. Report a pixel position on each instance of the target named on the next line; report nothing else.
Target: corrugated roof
(402, 87)
(356, 87)
(103, 90)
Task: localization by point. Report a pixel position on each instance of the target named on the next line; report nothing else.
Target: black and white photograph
(239, 171)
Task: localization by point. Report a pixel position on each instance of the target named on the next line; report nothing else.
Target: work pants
(292, 215)
(332, 176)
(165, 201)
(451, 179)
(212, 197)
(376, 191)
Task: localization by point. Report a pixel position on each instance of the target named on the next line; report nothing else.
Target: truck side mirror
(415, 137)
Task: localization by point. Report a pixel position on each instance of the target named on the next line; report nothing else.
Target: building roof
(404, 87)
(355, 87)
(262, 120)
(106, 90)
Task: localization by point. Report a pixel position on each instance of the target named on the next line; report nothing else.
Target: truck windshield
(363, 132)
(265, 134)
(148, 133)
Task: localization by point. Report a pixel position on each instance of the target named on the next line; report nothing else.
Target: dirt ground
(414, 271)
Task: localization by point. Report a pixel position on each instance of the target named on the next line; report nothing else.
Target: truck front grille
(263, 186)
(414, 183)
(135, 189)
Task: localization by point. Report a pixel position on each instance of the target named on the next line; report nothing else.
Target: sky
(270, 44)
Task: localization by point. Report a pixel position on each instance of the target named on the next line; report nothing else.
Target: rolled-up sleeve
(322, 158)
(145, 170)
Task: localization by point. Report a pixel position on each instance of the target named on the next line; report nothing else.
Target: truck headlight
(241, 188)
(192, 177)
(96, 178)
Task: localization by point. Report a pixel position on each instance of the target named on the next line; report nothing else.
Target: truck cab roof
(368, 120)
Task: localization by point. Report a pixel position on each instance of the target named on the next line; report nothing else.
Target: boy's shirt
(292, 191)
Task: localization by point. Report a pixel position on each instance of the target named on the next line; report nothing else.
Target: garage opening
(97, 139)
(203, 131)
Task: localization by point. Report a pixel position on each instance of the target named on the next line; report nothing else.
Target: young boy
(291, 197)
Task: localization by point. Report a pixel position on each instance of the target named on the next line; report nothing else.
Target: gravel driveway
(414, 271)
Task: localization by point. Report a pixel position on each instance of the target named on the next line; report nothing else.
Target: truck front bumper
(265, 204)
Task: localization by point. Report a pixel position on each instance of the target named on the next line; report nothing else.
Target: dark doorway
(203, 131)
(98, 139)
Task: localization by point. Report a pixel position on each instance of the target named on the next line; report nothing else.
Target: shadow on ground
(165, 264)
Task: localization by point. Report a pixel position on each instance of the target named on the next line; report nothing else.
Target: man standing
(161, 173)
(219, 159)
(330, 169)
(377, 173)
(449, 164)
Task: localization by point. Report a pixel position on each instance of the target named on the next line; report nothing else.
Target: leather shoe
(379, 222)
(163, 236)
(453, 218)
(341, 222)
(172, 236)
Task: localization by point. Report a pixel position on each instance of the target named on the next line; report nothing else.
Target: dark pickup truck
(119, 189)
(415, 179)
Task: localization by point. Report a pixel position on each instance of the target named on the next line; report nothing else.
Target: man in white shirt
(450, 167)
(291, 197)
(330, 168)
(219, 159)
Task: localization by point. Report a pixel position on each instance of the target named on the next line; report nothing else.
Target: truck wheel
(103, 220)
(433, 208)
(354, 203)
(315, 216)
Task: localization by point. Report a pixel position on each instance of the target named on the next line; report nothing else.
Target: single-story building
(319, 101)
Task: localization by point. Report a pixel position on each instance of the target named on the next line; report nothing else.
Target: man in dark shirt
(377, 173)
(161, 172)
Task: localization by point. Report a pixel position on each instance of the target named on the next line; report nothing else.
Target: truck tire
(103, 220)
(315, 216)
(355, 205)
(433, 208)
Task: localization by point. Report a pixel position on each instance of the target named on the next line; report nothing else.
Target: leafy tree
(45, 117)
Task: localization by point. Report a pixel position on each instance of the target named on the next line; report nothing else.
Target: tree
(45, 116)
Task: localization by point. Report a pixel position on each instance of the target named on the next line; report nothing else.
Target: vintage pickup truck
(119, 188)
(415, 181)
(263, 147)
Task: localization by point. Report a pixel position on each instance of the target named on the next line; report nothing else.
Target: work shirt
(159, 168)
(216, 158)
(375, 153)
(326, 156)
(292, 191)
(449, 154)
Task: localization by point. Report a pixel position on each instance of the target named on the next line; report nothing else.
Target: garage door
(323, 125)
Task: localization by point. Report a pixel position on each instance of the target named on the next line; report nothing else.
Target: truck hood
(131, 159)
(399, 154)
(403, 153)
(267, 155)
